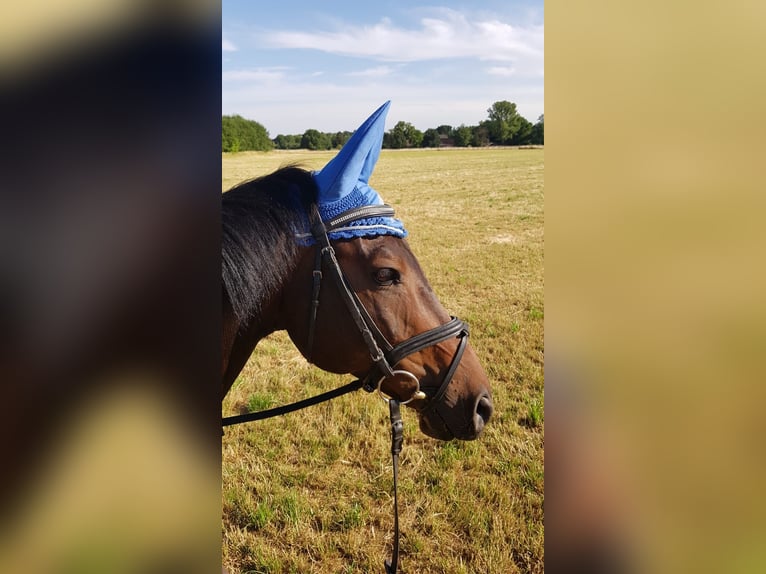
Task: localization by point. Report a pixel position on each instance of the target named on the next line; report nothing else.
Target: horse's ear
(353, 165)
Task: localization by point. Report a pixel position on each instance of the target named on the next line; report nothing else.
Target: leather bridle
(384, 355)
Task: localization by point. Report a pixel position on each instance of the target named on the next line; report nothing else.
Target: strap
(434, 400)
(317, 284)
(364, 212)
(260, 415)
(380, 338)
(453, 328)
(348, 296)
(397, 438)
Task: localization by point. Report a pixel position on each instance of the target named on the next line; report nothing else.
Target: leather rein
(384, 355)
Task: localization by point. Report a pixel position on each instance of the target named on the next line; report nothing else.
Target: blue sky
(295, 65)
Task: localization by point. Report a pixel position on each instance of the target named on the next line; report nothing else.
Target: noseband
(384, 355)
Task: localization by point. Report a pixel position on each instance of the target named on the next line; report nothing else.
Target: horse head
(379, 319)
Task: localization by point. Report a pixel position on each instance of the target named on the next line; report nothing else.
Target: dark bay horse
(378, 319)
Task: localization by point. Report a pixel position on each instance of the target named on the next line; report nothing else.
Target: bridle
(384, 355)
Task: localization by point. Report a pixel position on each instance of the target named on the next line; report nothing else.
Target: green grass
(260, 401)
(311, 491)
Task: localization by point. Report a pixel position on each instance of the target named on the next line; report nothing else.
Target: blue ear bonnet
(343, 183)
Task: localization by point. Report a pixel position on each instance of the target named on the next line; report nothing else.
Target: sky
(296, 65)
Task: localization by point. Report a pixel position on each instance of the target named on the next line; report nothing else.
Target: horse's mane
(259, 219)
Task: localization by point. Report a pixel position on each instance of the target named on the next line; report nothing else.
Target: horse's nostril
(484, 408)
(482, 413)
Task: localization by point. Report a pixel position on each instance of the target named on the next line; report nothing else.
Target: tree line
(503, 126)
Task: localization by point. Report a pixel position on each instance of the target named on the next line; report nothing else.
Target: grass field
(311, 491)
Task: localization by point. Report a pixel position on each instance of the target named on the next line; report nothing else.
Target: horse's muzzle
(434, 424)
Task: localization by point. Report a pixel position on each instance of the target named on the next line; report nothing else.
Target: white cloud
(450, 34)
(227, 46)
(502, 71)
(257, 75)
(376, 72)
(468, 62)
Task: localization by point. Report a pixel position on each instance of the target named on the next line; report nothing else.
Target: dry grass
(311, 491)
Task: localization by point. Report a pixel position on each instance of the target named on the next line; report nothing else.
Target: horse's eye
(386, 276)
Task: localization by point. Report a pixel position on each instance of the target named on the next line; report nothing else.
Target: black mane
(259, 218)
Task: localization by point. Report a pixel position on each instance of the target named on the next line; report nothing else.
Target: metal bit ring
(417, 393)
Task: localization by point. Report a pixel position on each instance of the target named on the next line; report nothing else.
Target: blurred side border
(110, 288)
(654, 319)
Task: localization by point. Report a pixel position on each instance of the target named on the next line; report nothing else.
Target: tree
(538, 132)
(237, 134)
(431, 138)
(462, 135)
(339, 139)
(415, 137)
(315, 140)
(287, 141)
(404, 134)
(480, 135)
(445, 130)
(504, 122)
(524, 133)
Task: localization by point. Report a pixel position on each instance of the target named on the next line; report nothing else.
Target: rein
(384, 355)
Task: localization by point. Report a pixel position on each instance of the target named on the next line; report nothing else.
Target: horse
(379, 319)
